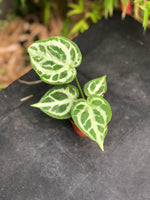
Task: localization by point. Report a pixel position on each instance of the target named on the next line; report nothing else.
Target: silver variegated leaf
(96, 86)
(55, 59)
(92, 116)
(58, 101)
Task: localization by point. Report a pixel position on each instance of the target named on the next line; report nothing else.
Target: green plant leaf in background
(76, 8)
(55, 59)
(124, 4)
(23, 3)
(108, 8)
(57, 102)
(65, 29)
(47, 6)
(145, 7)
(92, 116)
(116, 2)
(94, 14)
(47, 11)
(96, 86)
(80, 26)
(146, 10)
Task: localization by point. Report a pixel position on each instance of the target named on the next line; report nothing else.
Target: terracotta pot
(76, 129)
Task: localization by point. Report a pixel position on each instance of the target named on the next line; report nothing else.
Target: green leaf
(76, 8)
(47, 11)
(93, 16)
(65, 28)
(55, 59)
(23, 3)
(94, 13)
(140, 1)
(73, 5)
(142, 7)
(57, 102)
(92, 116)
(80, 26)
(146, 14)
(124, 3)
(96, 86)
(108, 8)
(74, 12)
(116, 3)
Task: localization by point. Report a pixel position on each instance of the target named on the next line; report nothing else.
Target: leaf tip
(34, 105)
(101, 145)
(102, 148)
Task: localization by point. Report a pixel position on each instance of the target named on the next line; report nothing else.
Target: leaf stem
(78, 84)
(29, 82)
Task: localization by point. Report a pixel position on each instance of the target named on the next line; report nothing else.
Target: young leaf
(57, 102)
(92, 116)
(55, 59)
(96, 86)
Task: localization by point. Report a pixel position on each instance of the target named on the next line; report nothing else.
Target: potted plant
(55, 61)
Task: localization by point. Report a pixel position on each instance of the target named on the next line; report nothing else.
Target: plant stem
(30, 82)
(78, 84)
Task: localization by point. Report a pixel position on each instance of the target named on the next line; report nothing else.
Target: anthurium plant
(55, 61)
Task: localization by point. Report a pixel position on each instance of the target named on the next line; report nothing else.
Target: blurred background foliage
(77, 15)
(24, 21)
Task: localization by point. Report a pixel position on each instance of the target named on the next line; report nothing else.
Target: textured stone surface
(43, 159)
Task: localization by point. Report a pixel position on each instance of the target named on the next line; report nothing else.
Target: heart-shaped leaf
(92, 116)
(57, 102)
(96, 86)
(55, 59)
